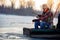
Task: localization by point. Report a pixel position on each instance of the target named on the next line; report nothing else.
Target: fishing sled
(41, 33)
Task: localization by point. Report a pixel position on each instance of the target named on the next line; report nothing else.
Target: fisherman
(45, 20)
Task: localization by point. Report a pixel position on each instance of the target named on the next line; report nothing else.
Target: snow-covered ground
(11, 26)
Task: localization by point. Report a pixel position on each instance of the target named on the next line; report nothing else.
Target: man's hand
(35, 20)
(38, 16)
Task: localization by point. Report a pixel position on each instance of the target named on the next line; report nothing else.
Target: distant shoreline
(16, 15)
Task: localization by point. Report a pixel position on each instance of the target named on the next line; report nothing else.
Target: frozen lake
(11, 27)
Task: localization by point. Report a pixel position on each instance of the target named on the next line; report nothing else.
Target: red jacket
(47, 17)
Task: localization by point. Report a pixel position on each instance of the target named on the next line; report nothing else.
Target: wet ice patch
(11, 36)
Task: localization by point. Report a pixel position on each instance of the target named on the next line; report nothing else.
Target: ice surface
(11, 26)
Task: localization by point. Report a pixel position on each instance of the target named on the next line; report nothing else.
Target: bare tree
(30, 3)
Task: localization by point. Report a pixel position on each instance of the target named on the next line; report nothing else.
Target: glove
(38, 16)
(34, 20)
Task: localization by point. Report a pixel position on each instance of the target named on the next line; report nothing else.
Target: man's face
(45, 9)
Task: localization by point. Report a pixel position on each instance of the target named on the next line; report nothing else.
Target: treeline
(22, 11)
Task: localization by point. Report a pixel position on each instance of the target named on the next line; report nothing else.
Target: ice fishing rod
(56, 10)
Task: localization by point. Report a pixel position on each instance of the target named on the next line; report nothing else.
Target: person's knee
(42, 25)
(36, 24)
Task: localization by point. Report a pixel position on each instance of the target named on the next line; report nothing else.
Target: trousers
(42, 25)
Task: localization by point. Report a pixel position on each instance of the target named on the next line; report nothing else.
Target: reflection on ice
(11, 36)
(15, 36)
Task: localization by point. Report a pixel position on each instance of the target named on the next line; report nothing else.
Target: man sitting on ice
(45, 20)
